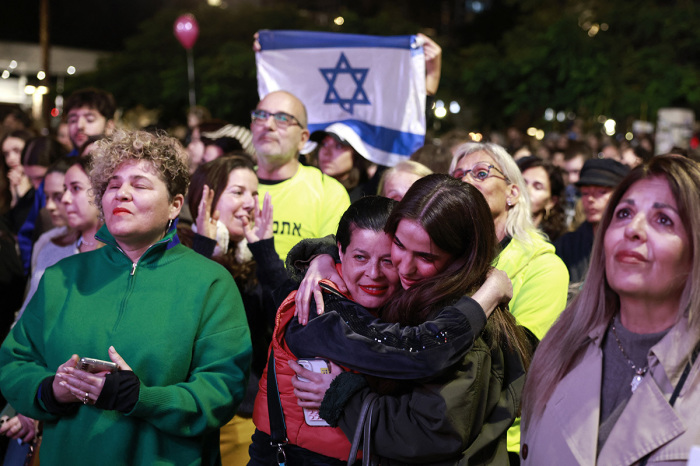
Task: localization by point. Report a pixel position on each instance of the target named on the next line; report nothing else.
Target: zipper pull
(133, 269)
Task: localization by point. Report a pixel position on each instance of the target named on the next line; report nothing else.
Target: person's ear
(513, 196)
(304, 137)
(176, 206)
(109, 127)
(340, 252)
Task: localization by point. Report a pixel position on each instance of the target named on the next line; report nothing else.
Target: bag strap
(278, 429)
(367, 438)
(677, 390)
(367, 403)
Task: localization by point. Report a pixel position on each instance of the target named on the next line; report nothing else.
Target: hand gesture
(261, 228)
(15, 176)
(206, 221)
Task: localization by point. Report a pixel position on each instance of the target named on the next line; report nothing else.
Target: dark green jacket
(175, 317)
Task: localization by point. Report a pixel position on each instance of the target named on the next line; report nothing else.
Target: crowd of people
(165, 301)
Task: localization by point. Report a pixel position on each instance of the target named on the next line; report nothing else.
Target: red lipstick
(374, 290)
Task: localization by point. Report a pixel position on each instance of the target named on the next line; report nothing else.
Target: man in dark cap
(598, 180)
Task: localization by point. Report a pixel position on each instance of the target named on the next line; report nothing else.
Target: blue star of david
(357, 74)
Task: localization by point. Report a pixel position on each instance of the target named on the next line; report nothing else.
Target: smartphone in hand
(97, 365)
(322, 366)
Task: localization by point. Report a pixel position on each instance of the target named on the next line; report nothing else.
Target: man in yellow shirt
(307, 203)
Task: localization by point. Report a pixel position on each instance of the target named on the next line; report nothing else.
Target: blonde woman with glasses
(540, 279)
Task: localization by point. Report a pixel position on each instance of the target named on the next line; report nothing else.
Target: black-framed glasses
(479, 172)
(282, 119)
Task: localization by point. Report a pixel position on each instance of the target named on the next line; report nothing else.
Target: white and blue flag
(373, 84)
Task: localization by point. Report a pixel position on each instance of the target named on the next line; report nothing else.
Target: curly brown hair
(165, 154)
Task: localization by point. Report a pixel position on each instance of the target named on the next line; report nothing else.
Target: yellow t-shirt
(308, 205)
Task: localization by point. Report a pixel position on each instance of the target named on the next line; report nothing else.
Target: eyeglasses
(479, 172)
(283, 120)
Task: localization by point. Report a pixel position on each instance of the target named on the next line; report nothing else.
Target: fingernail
(62, 384)
(111, 348)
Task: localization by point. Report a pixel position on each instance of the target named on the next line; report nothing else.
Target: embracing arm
(305, 250)
(354, 338)
(432, 422)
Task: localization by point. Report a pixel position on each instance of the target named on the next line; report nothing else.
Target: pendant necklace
(639, 371)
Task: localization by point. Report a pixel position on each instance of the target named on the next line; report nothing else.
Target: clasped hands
(73, 385)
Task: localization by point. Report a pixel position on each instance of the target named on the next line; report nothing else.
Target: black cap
(602, 172)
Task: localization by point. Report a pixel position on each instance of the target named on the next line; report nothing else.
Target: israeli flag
(373, 84)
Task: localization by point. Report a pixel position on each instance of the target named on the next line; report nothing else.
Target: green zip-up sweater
(175, 317)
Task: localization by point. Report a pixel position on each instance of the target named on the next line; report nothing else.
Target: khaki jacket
(567, 432)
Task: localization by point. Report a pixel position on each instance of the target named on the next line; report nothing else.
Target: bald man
(307, 203)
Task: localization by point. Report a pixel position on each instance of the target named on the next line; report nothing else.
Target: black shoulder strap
(278, 429)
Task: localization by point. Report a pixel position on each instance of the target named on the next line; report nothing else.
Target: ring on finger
(86, 398)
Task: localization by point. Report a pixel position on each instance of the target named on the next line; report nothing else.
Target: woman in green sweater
(175, 318)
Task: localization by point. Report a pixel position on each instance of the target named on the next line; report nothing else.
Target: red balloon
(186, 30)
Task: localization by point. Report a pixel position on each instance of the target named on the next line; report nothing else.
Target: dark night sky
(104, 24)
(92, 24)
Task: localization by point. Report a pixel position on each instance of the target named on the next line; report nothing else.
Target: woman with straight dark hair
(616, 380)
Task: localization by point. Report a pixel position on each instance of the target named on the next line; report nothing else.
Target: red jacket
(328, 441)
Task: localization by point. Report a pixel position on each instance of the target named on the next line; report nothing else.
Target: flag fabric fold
(373, 84)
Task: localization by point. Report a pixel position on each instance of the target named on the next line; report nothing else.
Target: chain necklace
(639, 371)
(81, 242)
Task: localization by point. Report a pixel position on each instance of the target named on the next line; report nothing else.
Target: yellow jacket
(540, 286)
